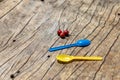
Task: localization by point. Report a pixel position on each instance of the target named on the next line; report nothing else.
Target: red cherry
(66, 32)
(62, 35)
(59, 32)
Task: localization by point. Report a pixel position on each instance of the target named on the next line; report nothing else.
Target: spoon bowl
(64, 58)
(83, 43)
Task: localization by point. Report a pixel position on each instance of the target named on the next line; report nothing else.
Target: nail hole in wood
(18, 71)
(12, 76)
(48, 56)
(42, 0)
(14, 40)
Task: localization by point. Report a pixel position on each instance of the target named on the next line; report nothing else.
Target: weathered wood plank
(28, 29)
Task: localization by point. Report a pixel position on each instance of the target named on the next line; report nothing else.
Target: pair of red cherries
(63, 34)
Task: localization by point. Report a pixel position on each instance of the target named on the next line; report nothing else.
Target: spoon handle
(93, 58)
(62, 47)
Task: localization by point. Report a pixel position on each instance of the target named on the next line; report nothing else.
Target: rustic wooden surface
(28, 29)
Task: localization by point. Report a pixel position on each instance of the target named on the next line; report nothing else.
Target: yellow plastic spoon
(68, 58)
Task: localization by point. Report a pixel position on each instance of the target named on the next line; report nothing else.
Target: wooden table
(28, 29)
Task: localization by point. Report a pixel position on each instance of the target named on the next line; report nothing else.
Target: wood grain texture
(28, 29)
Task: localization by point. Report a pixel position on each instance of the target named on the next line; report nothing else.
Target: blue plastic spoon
(79, 43)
